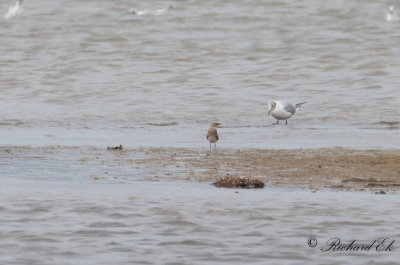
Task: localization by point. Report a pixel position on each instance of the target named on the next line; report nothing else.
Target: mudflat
(332, 168)
(335, 168)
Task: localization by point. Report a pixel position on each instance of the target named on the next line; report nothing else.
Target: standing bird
(212, 134)
(282, 110)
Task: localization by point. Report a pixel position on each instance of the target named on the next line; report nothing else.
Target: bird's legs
(286, 121)
(215, 146)
(277, 122)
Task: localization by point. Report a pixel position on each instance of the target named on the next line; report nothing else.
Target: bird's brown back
(212, 134)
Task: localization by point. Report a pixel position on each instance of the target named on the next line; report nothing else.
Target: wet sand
(335, 168)
(326, 168)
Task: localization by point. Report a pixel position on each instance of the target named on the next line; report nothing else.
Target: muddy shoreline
(315, 169)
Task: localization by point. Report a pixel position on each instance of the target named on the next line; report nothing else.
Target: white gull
(391, 15)
(13, 11)
(282, 110)
(155, 12)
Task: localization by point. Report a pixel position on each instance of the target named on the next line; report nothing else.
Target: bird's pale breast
(281, 114)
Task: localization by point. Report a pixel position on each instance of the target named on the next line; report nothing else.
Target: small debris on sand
(230, 181)
(114, 147)
(97, 178)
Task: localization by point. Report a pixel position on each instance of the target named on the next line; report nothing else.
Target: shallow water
(184, 223)
(74, 66)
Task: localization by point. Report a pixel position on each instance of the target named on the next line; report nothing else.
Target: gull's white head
(271, 106)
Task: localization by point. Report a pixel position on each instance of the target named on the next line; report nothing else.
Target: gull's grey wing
(289, 108)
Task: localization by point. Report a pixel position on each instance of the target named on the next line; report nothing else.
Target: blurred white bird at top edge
(14, 11)
(391, 15)
(155, 12)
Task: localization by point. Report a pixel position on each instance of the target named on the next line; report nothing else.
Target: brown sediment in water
(390, 123)
(332, 168)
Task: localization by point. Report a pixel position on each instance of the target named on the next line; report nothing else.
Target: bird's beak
(217, 123)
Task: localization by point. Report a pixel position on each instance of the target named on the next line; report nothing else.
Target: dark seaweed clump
(230, 181)
(114, 147)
